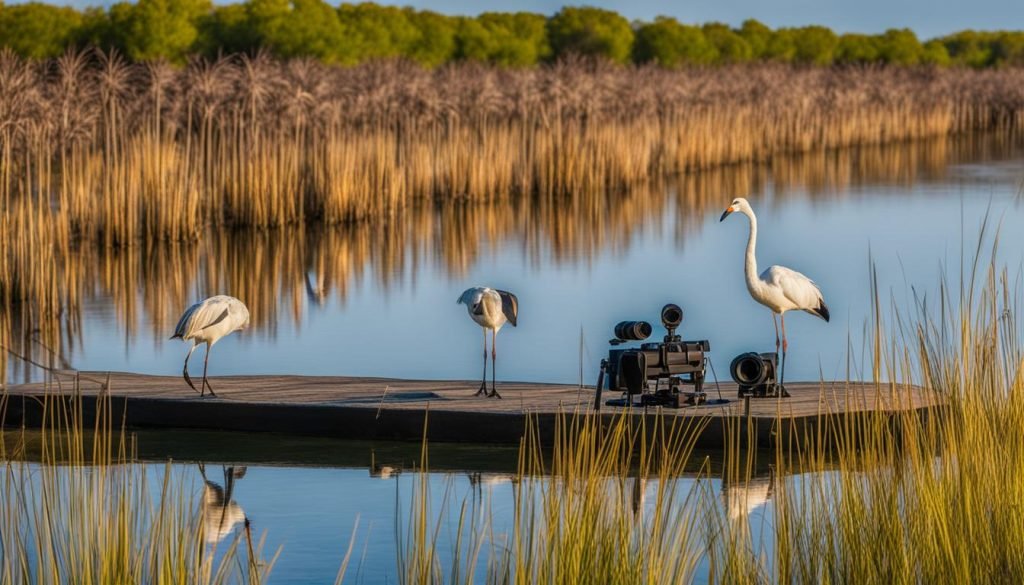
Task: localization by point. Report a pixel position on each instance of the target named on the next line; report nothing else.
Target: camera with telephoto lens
(666, 373)
(755, 374)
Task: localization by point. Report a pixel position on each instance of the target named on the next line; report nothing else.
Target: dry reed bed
(119, 152)
(95, 150)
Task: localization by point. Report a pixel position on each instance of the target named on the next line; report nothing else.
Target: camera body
(674, 366)
(756, 374)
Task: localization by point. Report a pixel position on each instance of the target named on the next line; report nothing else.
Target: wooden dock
(381, 408)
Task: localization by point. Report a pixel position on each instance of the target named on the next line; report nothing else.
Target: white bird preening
(207, 322)
(490, 308)
(779, 288)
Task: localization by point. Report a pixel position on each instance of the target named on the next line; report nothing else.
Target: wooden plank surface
(807, 398)
(391, 408)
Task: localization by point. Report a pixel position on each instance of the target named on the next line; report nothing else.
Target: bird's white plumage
(220, 514)
(779, 288)
(209, 320)
(743, 498)
(206, 322)
(490, 308)
(789, 290)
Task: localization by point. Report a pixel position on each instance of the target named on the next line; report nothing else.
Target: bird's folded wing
(795, 286)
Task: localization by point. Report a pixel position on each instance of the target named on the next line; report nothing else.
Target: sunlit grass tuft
(609, 504)
(87, 512)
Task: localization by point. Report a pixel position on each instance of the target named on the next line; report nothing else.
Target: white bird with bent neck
(779, 288)
(490, 308)
(207, 322)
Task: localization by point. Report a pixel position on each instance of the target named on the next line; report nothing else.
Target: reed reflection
(284, 274)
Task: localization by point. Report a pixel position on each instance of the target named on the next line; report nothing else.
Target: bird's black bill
(725, 214)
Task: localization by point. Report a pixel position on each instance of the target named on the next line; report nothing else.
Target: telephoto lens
(748, 369)
(671, 315)
(633, 330)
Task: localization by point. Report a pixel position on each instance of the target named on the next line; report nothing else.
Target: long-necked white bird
(491, 309)
(207, 322)
(779, 288)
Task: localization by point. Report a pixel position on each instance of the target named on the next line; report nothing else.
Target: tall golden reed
(115, 152)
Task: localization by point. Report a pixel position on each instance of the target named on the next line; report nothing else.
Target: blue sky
(927, 18)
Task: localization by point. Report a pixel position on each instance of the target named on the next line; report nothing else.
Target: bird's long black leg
(206, 362)
(229, 483)
(494, 364)
(188, 380)
(483, 381)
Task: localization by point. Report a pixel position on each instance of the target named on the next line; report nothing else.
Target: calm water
(309, 498)
(380, 301)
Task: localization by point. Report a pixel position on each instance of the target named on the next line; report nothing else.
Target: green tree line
(352, 33)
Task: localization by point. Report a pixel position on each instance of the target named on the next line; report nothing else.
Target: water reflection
(472, 490)
(638, 493)
(381, 470)
(743, 497)
(126, 298)
(488, 479)
(221, 514)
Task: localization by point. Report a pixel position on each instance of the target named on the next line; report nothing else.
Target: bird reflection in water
(383, 470)
(317, 290)
(638, 493)
(481, 482)
(220, 512)
(743, 497)
(480, 479)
